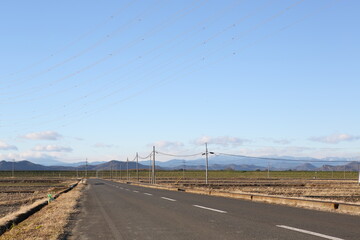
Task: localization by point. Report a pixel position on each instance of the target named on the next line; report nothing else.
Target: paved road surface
(120, 211)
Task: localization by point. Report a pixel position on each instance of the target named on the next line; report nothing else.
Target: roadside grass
(50, 222)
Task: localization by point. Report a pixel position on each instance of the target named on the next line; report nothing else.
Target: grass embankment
(50, 222)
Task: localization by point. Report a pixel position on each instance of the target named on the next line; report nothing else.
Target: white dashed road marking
(211, 209)
(309, 232)
(169, 199)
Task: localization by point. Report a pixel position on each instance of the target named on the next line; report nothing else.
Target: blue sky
(84, 79)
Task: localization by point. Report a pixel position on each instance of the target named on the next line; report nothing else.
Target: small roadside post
(50, 198)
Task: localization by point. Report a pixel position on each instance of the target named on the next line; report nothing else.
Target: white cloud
(32, 156)
(224, 141)
(335, 138)
(281, 141)
(52, 148)
(166, 144)
(47, 135)
(5, 146)
(103, 145)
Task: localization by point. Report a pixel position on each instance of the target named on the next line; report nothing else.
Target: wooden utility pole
(127, 169)
(86, 165)
(153, 168)
(13, 168)
(137, 166)
(207, 163)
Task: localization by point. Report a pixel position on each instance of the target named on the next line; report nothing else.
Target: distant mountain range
(252, 164)
(25, 165)
(215, 163)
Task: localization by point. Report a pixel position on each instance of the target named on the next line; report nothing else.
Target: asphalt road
(120, 211)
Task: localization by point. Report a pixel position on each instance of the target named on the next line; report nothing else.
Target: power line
(176, 155)
(149, 33)
(156, 84)
(146, 156)
(82, 36)
(277, 159)
(161, 45)
(87, 67)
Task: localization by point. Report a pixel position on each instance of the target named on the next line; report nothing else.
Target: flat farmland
(17, 192)
(337, 186)
(340, 186)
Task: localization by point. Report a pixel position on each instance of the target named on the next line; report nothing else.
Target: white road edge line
(135, 191)
(309, 232)
(211, 209)
(169, 199)
(149, 194)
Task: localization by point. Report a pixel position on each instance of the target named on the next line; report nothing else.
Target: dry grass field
(50, 222)
(331, 190)
(330, 186)
(17, 192)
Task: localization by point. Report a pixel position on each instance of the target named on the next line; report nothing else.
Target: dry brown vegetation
(50, 222)
(19, 192)
(331, 190)
(339, 190)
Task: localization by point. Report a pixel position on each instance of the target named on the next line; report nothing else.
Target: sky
(104, 80)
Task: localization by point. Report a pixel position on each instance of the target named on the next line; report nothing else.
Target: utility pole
(153, 167)
(127, 169)
(207, 162)
(268, 172)
(86, 165)
(359, 171)
(137, 166)
(150, 169)
(183, 169)
(13, 168)
(110, 170)
(120, 172)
